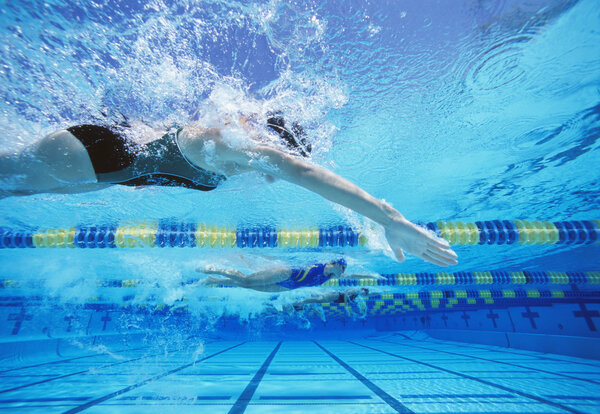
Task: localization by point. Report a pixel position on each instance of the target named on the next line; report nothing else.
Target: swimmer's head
(363, 292)
(338, 267)
(341, 262)
(293, 137)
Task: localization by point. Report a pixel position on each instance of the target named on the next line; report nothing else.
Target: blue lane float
(167, 233)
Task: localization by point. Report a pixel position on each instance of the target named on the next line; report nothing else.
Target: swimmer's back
(306, 277)
(160, 162)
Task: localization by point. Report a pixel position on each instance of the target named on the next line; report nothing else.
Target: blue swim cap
(341, 262)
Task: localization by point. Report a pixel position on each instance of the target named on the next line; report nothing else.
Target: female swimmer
(92, 157)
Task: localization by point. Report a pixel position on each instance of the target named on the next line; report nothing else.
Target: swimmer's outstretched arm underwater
(342, 296)
(400, 233)
(90, 157)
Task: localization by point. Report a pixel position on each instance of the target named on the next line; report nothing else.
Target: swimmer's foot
(401, 234)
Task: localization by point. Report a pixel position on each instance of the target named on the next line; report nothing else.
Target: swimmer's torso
(308, 277)
(160, 162)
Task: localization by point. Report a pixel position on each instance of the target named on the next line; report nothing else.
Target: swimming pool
(480, 122)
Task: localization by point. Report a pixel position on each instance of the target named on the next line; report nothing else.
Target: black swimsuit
(159, 162)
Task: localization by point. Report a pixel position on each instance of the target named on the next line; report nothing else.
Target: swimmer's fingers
(211, 280)
(432, 259)
(438, 247)
(445, 251)
(438, 258)
(438, 241)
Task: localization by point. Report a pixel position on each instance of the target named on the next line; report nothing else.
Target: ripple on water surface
(499, 65)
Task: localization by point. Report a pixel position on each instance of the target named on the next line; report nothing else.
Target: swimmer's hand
(401, 234)
(206, 269)
(211, 280)
(202, 281)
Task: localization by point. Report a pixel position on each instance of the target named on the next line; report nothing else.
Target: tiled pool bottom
(378, 374)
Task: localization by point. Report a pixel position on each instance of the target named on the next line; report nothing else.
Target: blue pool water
(479, 120)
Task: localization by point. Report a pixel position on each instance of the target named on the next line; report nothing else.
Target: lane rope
(163, 233)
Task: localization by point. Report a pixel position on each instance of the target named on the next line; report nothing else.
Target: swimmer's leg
(241, 283)
(57, 163)
(261, 279)
(269, 277)
(211, 270)
(220, 281)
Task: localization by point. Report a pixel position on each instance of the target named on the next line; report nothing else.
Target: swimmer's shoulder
(206, 149)
(192, 136)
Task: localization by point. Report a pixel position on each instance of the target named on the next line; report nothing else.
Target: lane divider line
(246, 396)
(481, 381)
(391, 401)
(146, 381)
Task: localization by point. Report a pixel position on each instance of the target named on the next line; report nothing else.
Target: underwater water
(478, 119)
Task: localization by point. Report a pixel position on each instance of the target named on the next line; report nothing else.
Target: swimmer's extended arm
(322, 298)
(400, 233)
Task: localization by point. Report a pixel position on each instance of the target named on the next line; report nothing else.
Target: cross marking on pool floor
(531, 316)
(18, 318)
(466, 318)
(493, 316)
(587, 315)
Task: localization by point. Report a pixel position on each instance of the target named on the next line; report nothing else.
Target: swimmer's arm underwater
(400, 233)
(322, 298)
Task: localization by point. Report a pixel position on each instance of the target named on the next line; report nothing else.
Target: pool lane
(383, 374)
(476, 379)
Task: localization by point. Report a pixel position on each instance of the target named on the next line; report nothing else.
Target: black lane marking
(164, 398)
(391, 401)
(304, 373)
(449, 396)
(220, 374)
(244, 399)
(494, 361)
(443, 342)
(70, 359)
(481, 381)
(146, 381)
(30, 400)
(315, 397)
(80, 372)
(199, 403)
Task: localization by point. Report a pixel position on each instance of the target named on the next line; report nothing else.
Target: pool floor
(395, 372)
